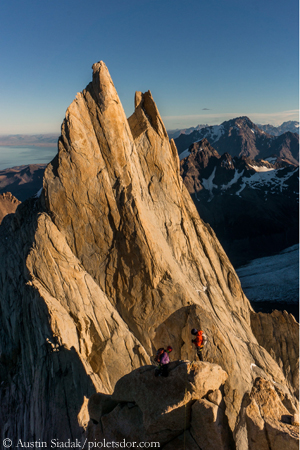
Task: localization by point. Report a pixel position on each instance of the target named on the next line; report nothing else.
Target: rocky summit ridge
(109, 263)
(241, 137)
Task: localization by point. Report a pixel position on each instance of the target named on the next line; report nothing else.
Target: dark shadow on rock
(43, 384)
(285, 418)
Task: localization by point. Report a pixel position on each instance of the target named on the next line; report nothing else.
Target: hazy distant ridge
(20, 140)
(291, 125)
(50, 139)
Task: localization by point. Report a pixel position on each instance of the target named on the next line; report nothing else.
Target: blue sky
(204, 61)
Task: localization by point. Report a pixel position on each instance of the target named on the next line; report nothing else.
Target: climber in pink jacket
(163, 359)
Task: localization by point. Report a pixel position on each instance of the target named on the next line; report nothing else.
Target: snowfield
(209, 185)
(216, 132)
(184, 154)
(235, 178)
(273, 278)
(263, 178)
(262, 168)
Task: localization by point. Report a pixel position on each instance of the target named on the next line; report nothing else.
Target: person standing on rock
(163, 360)
(199, 341)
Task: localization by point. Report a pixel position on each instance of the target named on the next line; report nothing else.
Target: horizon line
(270, 118)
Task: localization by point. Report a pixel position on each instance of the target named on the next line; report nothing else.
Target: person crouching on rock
(163, 359)
(199, 341)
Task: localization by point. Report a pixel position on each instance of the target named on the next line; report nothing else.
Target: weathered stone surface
(173, 412)
(8, 204)
(100, 404)
(267, 421)
(115, 193)
(215, 397)
(73, 337)
(278, 333)
(295, 420)
(208, 426)
(124, 422)
(83, 415)
(110, 263)
(153, 408)
(164, 401)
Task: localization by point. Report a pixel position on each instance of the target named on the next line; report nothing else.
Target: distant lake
(20, 156)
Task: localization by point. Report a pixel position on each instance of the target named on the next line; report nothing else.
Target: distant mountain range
(252, 205)
(22, 181)
(50, 139)
(241, 137)
(173, 134)
(291, 125)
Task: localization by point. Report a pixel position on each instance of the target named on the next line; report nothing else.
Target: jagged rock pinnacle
(112, 262)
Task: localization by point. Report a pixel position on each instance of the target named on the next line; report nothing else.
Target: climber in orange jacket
(199, 341)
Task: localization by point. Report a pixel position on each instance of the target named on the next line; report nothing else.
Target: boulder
(278, 333)
(165, 402)
(215, 397)
(144, 407)
(209, 427)
(268, 422)
(100, 404)
(295, 420)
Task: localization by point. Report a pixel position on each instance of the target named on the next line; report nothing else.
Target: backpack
(199, 339)
(158, 354)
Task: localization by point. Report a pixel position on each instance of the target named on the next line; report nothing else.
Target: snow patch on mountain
(216, 132)
(39, 193)
(184, 154)
(237, 175)
(208, 183)
(262, 168)
(270, 179)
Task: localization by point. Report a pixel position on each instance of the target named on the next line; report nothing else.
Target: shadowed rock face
(186, 410)
(148, 408)
(265, 419)
(110, 263)
(278, 333)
